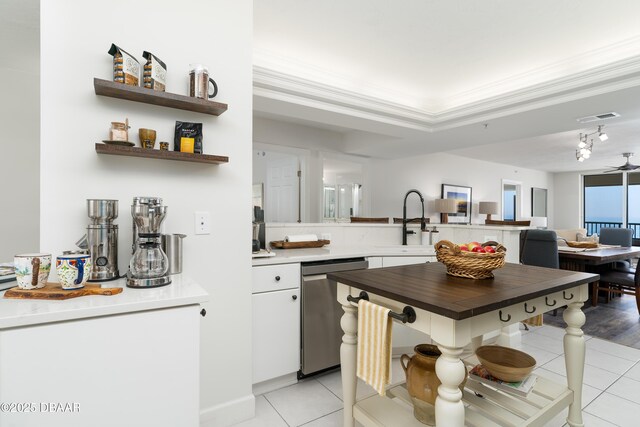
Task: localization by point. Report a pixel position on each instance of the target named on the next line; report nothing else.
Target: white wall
(19, 121)
(75, 37)
(427, 173)
(567, 203)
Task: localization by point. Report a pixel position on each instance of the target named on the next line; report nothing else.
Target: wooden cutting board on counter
(54, 291)
(281, 244)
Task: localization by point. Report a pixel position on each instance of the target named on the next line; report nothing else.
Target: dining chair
(618, 236)
(539, 248)
(619, 282)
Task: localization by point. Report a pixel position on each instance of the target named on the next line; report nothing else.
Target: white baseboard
(229, 413)
(275, 384)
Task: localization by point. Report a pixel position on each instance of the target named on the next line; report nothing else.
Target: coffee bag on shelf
(126, 69)
(188, 137)
(155, 72)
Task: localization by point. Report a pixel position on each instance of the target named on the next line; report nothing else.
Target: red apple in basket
(478, 249)
(463, 247)
(489, 249)
(473, 245)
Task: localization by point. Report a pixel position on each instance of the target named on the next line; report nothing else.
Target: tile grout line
(274, 408)
(330, 391)
(316, 419)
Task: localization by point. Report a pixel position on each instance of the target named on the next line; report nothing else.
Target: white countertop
(285, 256)
(23, 312)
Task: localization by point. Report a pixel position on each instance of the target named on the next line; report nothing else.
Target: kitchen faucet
(404, 216)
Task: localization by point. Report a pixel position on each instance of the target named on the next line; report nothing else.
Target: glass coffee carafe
(149, 265)
(149, 260)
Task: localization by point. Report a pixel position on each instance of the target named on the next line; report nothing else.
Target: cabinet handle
(203, 312)
(277, 278)
(295, 297)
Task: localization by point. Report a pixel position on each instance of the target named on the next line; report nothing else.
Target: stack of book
(521, 388)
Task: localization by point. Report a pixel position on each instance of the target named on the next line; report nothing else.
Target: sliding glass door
(612, 200)
(633, 204)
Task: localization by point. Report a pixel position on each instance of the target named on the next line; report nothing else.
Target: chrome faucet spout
(405, 232)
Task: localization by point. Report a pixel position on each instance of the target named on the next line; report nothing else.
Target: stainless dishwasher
(321, 313)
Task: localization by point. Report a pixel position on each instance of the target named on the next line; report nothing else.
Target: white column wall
(75, 38)
(20, 139)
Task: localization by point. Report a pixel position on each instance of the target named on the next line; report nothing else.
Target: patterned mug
(32, 270)
(73, 270)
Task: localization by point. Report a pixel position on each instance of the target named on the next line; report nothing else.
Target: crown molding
(615, 75)
(273, 84)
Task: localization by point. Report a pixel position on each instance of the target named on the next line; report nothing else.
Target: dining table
(588, 259)
(580, 259)
(456, 312)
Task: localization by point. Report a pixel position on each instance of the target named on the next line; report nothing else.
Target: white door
(281, 196)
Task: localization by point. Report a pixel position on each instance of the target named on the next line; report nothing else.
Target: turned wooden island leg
(348, 354)
(574, 353)
(451, 372)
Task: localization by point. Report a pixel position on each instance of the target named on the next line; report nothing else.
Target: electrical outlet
(202, 223)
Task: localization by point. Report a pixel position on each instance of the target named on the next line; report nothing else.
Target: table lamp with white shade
(488, 208)
(445, 207)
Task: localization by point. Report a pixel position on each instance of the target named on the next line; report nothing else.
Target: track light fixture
(585, 145)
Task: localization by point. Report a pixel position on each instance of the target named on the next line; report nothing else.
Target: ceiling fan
(626, 167)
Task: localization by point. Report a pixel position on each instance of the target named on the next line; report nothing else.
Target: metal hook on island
(408, 314)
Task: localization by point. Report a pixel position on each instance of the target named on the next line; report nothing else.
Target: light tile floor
(611, 392)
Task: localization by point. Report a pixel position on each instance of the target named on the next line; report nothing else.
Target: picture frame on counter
(462, 195)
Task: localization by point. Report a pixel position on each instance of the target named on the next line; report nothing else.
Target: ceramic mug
(32, 270)
(73, 270)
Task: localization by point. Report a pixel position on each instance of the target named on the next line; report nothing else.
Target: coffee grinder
(149, 264)
(102, 239)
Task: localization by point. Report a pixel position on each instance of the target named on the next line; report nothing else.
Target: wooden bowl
(504, 363)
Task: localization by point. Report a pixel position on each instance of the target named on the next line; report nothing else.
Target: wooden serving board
(281, 244)
(54, 291)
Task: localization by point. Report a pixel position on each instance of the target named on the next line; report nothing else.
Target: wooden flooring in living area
(617, 321)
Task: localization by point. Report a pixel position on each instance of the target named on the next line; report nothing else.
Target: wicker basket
(471, 265)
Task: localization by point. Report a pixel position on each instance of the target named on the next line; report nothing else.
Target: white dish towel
(374, 345)
(294, 238)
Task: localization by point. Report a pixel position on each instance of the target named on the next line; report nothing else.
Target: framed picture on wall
(462, 196)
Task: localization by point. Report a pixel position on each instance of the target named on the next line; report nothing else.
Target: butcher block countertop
(427, 286)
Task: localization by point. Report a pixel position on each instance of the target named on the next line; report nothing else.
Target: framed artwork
(462, 196)
(538, 202)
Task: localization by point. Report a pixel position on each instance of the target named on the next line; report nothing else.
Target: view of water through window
(604, 202)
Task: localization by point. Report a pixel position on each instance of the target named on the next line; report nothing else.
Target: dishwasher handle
(314, 277)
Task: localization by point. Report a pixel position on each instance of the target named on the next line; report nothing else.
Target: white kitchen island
(453, 311)
(131, 359)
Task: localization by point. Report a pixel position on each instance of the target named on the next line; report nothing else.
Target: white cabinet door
(276, 334)
(133, 369)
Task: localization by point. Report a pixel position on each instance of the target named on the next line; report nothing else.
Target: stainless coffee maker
(149, 264)
(102, 239)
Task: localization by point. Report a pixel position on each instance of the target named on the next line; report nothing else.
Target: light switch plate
(202, 223)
